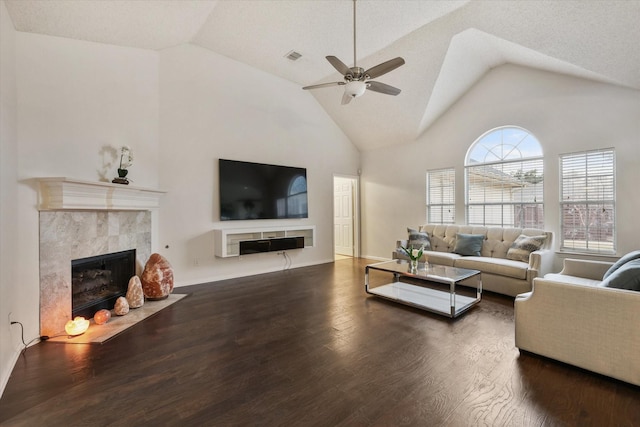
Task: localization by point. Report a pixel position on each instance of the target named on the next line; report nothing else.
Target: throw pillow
(468, 244)
(628, 257)
(625, 277)
(523, 246)
(418, 239)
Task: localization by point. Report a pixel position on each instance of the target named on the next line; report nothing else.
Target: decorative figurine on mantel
(126, 160)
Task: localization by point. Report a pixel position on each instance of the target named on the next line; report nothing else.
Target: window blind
(587, 201)
(441, 196)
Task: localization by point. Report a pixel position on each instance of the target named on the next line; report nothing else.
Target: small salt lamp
(77, 326)
(102, 316)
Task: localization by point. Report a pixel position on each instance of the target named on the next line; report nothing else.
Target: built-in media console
(231, 242)
(270, 245)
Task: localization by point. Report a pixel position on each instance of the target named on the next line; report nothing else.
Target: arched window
(296, 202)
(504, 179)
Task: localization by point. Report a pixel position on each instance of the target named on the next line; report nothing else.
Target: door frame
(355, 180)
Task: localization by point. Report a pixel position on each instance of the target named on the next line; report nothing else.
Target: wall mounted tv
(261, 191)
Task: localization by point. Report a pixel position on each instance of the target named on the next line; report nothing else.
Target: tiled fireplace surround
(97, 222)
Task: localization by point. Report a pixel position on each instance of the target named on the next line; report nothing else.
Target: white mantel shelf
(60, 193)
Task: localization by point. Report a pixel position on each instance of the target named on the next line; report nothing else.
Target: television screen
(261, 191)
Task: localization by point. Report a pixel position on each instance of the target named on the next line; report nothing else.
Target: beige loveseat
(499, 274)
(570, 317)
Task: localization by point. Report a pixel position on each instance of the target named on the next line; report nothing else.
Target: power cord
(287, 261)
(25, 344)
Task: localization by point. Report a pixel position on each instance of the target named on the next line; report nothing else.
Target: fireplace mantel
(60, 193)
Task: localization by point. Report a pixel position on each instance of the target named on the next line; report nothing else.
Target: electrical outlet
(196, 262)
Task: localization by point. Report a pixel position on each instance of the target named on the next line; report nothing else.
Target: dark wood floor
(307, 347)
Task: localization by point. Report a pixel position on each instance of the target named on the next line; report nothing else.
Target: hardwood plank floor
(308, 347)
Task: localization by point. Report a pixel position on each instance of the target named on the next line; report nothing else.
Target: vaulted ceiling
(447, 45)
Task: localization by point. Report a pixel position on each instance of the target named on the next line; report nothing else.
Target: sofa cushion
(497, 266)
(523, 246)
(625, 277)
(571, 280)
(441, 258)
(628, 257)
(468, 244)
(418, 239)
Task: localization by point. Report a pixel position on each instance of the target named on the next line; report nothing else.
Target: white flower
(126, 157)
(413, 254)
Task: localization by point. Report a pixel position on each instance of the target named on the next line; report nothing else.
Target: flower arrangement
(126, 157)
(126, 160)
(413, 254)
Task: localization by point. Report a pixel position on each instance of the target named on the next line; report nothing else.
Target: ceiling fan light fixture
(355, 88)
(356, 79)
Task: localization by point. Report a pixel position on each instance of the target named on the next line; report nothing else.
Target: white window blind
(587, 203)
(441, 196)
(504, 180)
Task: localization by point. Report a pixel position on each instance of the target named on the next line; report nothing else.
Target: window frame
(598, 248)
(441, 206)
(496, 167)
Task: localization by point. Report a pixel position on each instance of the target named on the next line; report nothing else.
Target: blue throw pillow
(625, 277)
(628, 257)
(468, 244)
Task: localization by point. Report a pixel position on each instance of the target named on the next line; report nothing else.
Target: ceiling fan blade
(383, 68)
(339, 65)
(383, 88)
(324, 85)
(346, 98)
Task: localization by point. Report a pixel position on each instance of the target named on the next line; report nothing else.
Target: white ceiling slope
(447, 45)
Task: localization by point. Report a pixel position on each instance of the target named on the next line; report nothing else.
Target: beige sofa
(570, 318)
(499, 274)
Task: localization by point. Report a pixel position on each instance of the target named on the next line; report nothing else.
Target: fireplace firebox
(98, 281)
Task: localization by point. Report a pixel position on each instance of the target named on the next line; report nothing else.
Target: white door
(343, 215)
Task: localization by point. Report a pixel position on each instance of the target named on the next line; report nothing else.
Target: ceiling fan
(356, 79)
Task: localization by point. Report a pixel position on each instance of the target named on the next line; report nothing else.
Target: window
(504, 179)
(587, 201)
(441, 196)
(296, 203)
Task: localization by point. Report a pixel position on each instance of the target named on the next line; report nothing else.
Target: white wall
(565, 114)
(9, 335)
(213, 107)
(75, 97)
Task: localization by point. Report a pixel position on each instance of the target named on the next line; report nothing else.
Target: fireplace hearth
(98, 281)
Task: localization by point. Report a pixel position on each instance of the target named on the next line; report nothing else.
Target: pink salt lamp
(76, 326)
(157, 278)
(102, 316)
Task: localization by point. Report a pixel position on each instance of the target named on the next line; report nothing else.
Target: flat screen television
(261, 191)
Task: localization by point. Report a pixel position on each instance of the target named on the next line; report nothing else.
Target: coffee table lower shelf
(432, 300)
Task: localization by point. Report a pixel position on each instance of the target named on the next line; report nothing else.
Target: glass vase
(413, 265)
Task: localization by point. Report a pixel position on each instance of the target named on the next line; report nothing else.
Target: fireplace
(75, 235)
(82, 219)
(98, 281)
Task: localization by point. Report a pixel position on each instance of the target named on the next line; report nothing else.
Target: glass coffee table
(431, 287)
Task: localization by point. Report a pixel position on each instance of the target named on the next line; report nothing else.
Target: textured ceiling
(447, 45)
